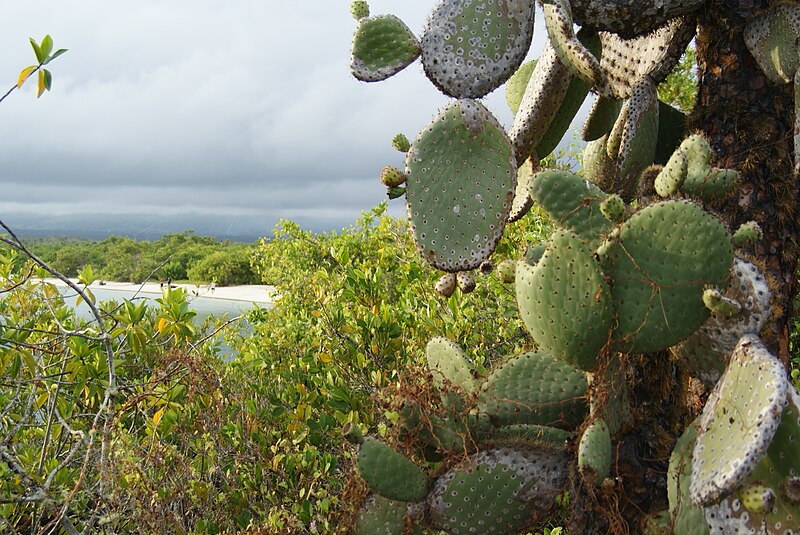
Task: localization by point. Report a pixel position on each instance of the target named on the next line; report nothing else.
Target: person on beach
(213, 286)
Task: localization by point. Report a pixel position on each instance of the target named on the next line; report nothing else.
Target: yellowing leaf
(162, 324)
(316, 313)
(157, 416)
(324, 357)
(40, 89)
(24, 75)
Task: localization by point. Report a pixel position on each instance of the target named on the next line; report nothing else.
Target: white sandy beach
(256, 293)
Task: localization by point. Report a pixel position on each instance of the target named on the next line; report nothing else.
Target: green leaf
(40, 57)
(47, 46)
(55, 55)
(26, 72)
(48, 79)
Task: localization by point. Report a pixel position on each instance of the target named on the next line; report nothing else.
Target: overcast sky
(231, 109)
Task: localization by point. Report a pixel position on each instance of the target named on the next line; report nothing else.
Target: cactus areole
(663, 297)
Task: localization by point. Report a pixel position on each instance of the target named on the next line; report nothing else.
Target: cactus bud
(359, 9)
(747, 233)
(719, 304)
(507, 270)
(400, 142)
(466, 282)
(446, 285)
(392, 177)
(757, 498)
(613, 208)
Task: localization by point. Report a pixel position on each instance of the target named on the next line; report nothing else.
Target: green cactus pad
(401, 143)
(772, 39)
(670, 179)
(392, 177)
(515, 86)
(534, 388)
(570, 104)
(651, 55)
(749, 232)
(571, 52)
(540, 436)
(738, 422)
(382, 46)
(395, 192)
(639, 135)
(534, 253)
(776, 473)
(497, 491)
(707, 351)
(594, 453)
(565, 302)
(359, 9)
(671, 131)
(461, 181)
(598, 167)
(470, 48)
(548, 85)
(703, 181)
(522, 196)
(389, 473)
(381, 516)
(687, 518)
(449, 365)
(573, 203)
(602, 118)
(664, 256)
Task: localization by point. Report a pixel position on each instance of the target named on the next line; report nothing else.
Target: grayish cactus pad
(522, 196)
(497, 491)
(470, 47)
(461, 181)
(738, 422)
(629, 17)
(772, 39)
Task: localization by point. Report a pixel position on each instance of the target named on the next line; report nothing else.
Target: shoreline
(253, 293)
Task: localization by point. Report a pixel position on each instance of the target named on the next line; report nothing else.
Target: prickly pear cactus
(383, 46)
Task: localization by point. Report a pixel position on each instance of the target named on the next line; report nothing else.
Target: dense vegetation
(182, 256)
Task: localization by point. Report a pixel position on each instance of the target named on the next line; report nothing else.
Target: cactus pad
(663, 257)
(470, 47)
(630, 17)
(572, 203)
(602, 118)
(565, 303)
(594, 453)
(359, 9)
(749, 232)
(389, 473)
(540, 436)
(670, 179)
(380, 516)
(392, 177)
(738, 422)
(449, 365)
(702, 180)
(687, 518)
(598, 167)
(639, 134)
(498, 491)
(522, 197)
(461, 181)
(540, 102)
(515, 86)
(555, 398)
(571, 52)
(772, 39)
(382, 46)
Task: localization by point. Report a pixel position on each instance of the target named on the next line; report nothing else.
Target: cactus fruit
(469, 50)
(465, 281)
(446, 285)
(594, 453)
(706, 351)
(757, 498)
(395, 192)
(401, 143)
(497, 491)
(389, 473)
(747, 233)
(392, 177)
(522, 196)
(516, 85)
(571, 52)
(555, 399)
(461, 181)
(506, 271)
(738, 422)
(381, 516)
(382, 46)
(540, 102)
(359, 9)
(613, 208)
(449, 365)
(565, 302)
